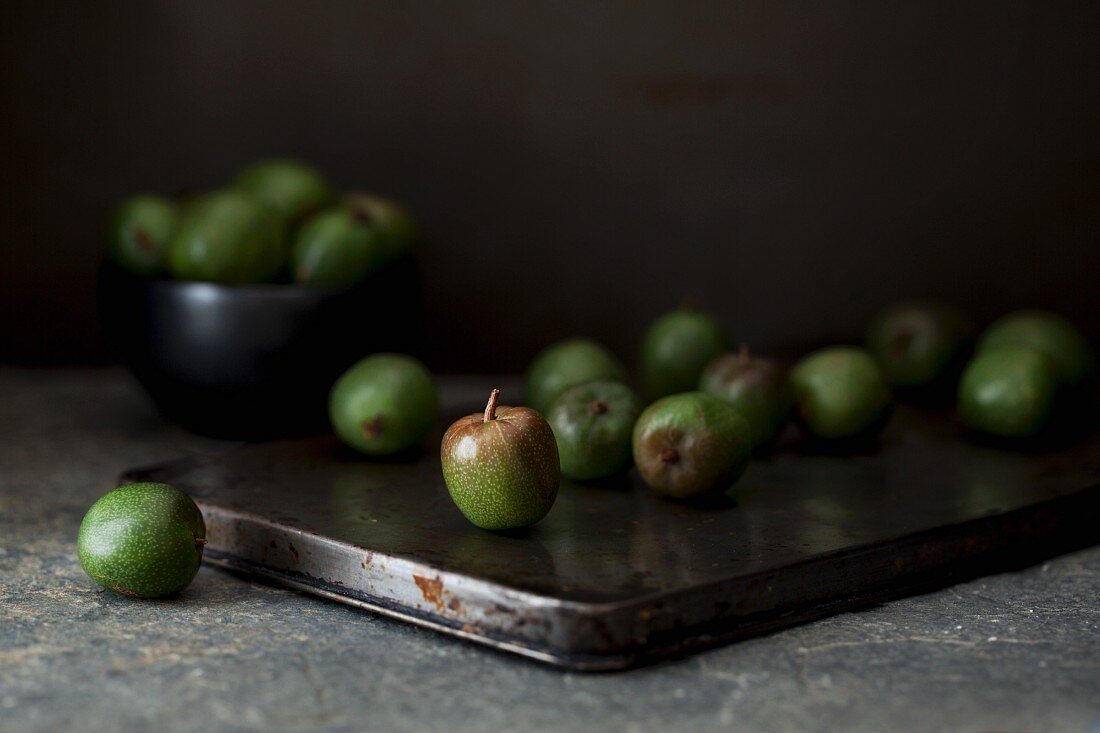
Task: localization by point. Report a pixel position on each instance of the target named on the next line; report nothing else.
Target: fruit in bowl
(397, 230)
(138, 233)
(292, 189)
(227, 237)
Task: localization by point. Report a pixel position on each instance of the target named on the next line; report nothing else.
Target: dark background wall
(580, 167)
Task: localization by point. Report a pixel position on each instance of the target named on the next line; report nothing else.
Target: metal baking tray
(615, 576)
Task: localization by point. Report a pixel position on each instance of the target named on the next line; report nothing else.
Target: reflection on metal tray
(615, 576)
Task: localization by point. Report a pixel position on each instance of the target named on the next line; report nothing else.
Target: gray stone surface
(1015, 652)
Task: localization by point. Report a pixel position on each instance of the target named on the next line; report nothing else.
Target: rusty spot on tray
(431, 589)
(293, 551)
(273, 545)
(454, 604)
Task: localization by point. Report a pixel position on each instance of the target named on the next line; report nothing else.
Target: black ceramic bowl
(254, 361)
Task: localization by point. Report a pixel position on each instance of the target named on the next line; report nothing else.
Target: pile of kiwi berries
(705, 408)
(278, 221)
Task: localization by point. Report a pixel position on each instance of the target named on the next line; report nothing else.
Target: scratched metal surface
(614, 574)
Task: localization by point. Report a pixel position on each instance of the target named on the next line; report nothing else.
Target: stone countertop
(1019, 651)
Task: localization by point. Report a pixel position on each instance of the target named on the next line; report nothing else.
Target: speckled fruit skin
(675, 350)
(841, 393)
(690, 444)
(336, 248)
(227, 237)
(1007, 392)
(142, 540)
(567, 363)
(917, 343)
(383, 404)
(138, 233)
(501, 473)
(1052, 336)
(759, 389)
(291, 188)
(593, 424)
(394, 224)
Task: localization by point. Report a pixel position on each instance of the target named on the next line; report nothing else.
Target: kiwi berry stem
(360, 215)
(491, 408)
(144, 241)
(669, 455)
